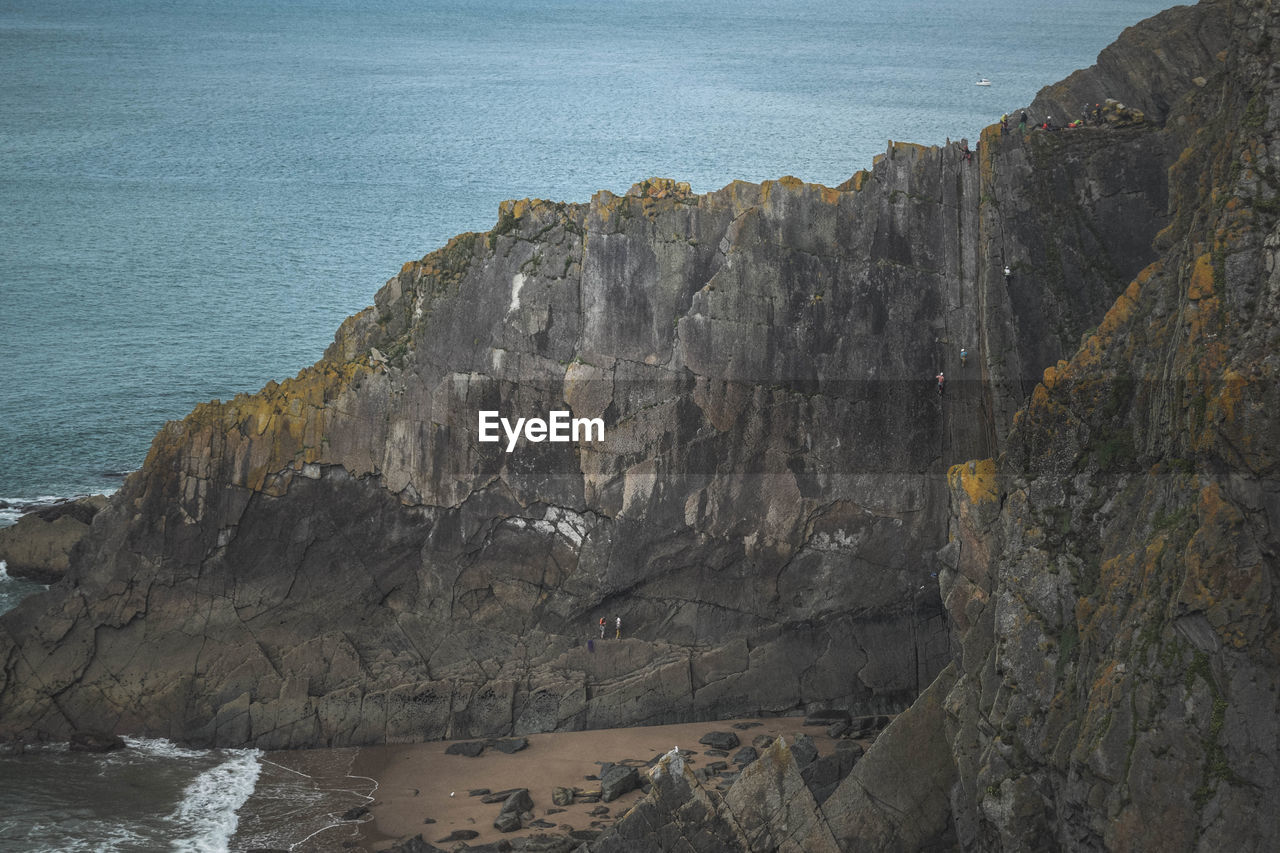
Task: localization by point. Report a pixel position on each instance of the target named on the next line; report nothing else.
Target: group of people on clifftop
(1089, 115)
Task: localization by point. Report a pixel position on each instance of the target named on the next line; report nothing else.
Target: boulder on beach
(518, 803)
(508, 745)
(720, 740)
(469, 748)
(617, 781)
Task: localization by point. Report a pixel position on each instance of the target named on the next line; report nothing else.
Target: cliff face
(1111, 579)
(338, 559)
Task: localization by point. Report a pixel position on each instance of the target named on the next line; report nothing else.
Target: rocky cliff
(1110, 577)
(339, 559)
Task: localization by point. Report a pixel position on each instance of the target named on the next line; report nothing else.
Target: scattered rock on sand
(720, 740)
(355, 813)
(618, 781)
(562, 796)
(414, 845)
(459, 835)
(509, 745)
(518, 803)
(745, 756)
(469, 748)
(762, 741)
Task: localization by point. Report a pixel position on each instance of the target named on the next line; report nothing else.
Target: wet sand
(415, 781)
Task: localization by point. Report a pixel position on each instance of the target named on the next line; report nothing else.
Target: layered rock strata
(338, 559)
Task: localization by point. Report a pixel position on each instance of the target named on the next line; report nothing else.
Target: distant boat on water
(983, 81)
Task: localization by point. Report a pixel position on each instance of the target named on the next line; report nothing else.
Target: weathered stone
(508, 745)
(562, 796)
(507, 822)
(778, 486)
(775, 810)
(746, 755)
(723, 741)
(471, 749)
(803, 751)
(617, 781)
(518, 802)
(896, 797)
(39, 546)
(677, 814)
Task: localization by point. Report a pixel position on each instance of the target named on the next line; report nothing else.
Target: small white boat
(983, 81)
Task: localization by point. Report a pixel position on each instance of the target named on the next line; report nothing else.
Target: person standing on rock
(1022, 122)
(602, 627)
(618, 625)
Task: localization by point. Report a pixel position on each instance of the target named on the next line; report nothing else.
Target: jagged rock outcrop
(767, 808)
(1111, 577)
(338, 559)
(39, 546)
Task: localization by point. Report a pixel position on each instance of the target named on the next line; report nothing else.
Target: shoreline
(412, 783)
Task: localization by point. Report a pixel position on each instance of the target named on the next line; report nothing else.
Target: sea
(194, 194)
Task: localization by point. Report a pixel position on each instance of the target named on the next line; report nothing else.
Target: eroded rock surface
(39, 546)
(338, 559)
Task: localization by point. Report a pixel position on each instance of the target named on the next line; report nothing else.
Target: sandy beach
(419, 789)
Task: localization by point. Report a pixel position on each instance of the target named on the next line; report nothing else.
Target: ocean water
(193, 195)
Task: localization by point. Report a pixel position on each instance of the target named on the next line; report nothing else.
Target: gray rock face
(339, 559)
(618, 781)
(39, 546)
(1110, 577)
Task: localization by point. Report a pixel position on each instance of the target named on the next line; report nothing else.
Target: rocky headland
(1063, 567)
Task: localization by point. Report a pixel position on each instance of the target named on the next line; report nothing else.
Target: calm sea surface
(194, 194)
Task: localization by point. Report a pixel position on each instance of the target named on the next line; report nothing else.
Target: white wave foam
(209, 811)
(4, 571)
(160, 748)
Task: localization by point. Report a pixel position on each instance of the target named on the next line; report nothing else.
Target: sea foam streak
(209, 811)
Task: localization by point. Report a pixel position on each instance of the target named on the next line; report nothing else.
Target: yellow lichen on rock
(1201, 285)
(978, 479)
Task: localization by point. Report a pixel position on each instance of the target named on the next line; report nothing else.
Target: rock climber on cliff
(964, 356)
(618, 625)
(942, 382)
